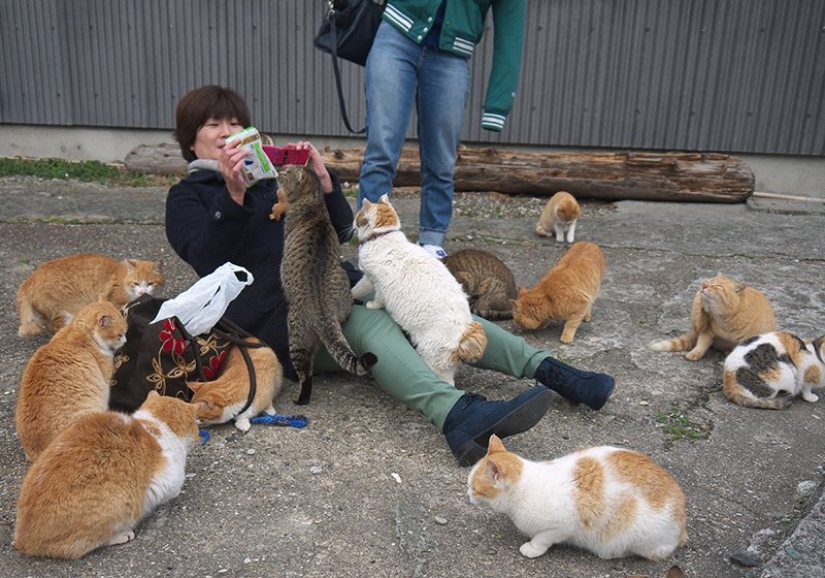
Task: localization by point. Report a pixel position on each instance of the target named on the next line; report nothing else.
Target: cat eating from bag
(57, 289)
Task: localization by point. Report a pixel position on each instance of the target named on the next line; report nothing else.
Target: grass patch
(677, 426)
(86, 171)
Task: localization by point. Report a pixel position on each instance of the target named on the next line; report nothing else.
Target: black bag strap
(337, 72)
(238, 336)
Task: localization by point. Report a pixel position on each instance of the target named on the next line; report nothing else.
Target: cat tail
(682, 343)
(472, 345)
(737, 394)
(337, 346)
(29, 324)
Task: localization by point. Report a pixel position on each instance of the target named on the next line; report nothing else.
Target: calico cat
(725, 312)
(316, 287)
(68, 377)
(417, 290)
(223, 399)
(566, 292)
(101, 476)
(611, 501)
(560, 213)
(487, 281)
(769, 370)
(57, 289)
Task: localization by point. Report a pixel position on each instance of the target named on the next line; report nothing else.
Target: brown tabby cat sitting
(724, 313)
(316, 286)
(57, 289)
(68, 377)
(566, 292)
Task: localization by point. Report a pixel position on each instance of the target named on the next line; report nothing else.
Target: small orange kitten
(611, 501)
(725, 312)
(223, 399)
(101, 476)
(560, 213)
(68, 377)
(57, 289)
(566, 292)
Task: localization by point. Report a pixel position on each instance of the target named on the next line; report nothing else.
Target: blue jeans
(401, 73)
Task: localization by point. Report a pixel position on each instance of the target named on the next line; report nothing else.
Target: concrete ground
(370, 488)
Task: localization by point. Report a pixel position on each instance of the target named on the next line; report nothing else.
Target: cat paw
(243, 424)
(374, 305)
(530, 550)
(122, 538)
(810, 397)
(694, 355)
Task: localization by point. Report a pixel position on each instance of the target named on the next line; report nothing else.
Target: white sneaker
(436, 251)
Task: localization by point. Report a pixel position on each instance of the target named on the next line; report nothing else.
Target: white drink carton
(257, 165)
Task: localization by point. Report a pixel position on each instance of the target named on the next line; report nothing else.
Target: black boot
(473, 419)
(587, 387)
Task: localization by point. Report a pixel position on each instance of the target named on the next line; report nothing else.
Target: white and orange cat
(559, 217)
(69, 376)
(101, 476)
(417, 290)
(565, 293)
(725, 312)
(57, 289)
(610, 501)
(769, 370)
(227, 397)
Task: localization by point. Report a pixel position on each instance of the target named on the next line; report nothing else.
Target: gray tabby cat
(316, 287)
(487, 281)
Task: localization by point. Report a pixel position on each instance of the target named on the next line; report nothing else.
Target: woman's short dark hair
(198, 106)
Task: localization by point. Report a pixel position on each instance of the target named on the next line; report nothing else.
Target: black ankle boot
(587, 387)
(473, 419)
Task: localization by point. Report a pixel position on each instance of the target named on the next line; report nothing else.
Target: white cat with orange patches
(611, 501)
(767, 371)
(560, 214)
(417, 290)
(101, 476)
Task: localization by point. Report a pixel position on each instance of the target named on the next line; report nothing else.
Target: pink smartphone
(286, 155)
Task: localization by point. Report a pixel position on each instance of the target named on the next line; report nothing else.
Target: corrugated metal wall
(742, 76)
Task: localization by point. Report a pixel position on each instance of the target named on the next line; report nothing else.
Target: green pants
(402, 373)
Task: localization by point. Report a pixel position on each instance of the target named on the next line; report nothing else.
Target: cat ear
(104, 320)
(739, 287)
(366, 204)
(157, 266)
(130, 264)
(495, 445)
(385, 199)
(521, 290)
(152, 393)
(493, 471)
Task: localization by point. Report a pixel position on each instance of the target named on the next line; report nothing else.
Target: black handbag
(163, 356)
(347, 32)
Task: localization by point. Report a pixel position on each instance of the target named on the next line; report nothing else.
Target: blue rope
(205, 437)
(297, 421)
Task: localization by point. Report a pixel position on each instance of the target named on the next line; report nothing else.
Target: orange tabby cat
(101, 476)
(725, 312)
(566, 292)
(69, 376)
(57, 289)
(560, 213)
(611, 501)
(223, 399)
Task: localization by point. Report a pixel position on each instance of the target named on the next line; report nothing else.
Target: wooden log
(705, 177)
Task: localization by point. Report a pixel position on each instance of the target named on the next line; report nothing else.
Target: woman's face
(211, 137)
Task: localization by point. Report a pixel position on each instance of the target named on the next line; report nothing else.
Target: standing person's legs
(391, 80)
(443, 90)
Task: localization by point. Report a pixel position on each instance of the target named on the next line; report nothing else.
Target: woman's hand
(230, 165)
(317, 165)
